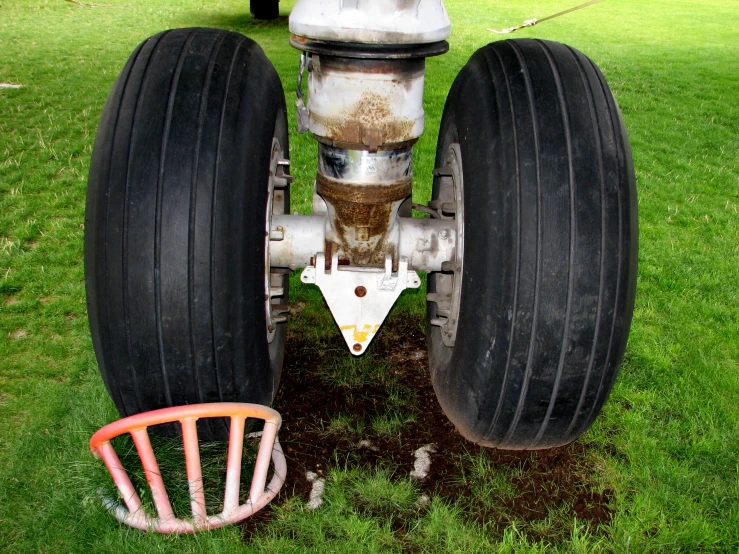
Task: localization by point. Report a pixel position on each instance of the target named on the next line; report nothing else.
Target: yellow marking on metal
(361, 336)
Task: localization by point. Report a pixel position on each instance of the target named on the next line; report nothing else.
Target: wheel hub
(449, 206)
(275, 278)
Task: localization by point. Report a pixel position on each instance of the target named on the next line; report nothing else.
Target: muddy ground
(328, 413)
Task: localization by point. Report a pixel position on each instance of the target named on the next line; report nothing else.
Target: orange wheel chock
(260, 494)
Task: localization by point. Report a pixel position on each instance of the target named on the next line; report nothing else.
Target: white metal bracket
(360, 297)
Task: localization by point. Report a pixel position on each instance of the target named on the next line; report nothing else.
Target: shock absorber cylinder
(366, 62)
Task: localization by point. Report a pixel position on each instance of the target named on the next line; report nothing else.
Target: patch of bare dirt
(558, 479)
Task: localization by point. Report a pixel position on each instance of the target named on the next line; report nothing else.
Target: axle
(425, 243)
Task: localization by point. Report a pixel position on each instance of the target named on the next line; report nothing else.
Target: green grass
(668, 440)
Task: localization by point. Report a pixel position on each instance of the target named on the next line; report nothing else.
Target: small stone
(422, 463)
(316, 492)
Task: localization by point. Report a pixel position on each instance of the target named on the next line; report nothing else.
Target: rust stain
(363, 214)
(370, 122)
(361, 193)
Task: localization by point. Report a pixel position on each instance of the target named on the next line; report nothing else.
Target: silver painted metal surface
(362, 167)
(371, 21)
(360, 297)
(302, 237)
(427, 244)
(368, 103)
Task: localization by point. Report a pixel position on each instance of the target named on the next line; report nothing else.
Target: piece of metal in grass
(10, 85)
(260, 493)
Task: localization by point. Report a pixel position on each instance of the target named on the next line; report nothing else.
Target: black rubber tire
(264, 9)
(550, 246)
(175, 225)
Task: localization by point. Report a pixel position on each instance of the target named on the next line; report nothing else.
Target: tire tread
(548, 174)
(178, 178)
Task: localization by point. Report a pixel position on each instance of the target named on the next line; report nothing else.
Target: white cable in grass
(316, 491)
(534, 21)
(10, 85)
(422, 463)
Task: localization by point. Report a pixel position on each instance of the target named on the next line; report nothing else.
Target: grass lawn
(665, 451)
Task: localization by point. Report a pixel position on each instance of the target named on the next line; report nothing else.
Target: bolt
(444, 234)
(357, 347)
(360, 292)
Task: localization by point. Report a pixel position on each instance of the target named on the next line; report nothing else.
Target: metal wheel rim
(274, 281)
(449, 281)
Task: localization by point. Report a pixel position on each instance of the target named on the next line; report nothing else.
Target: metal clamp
(303, 113)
